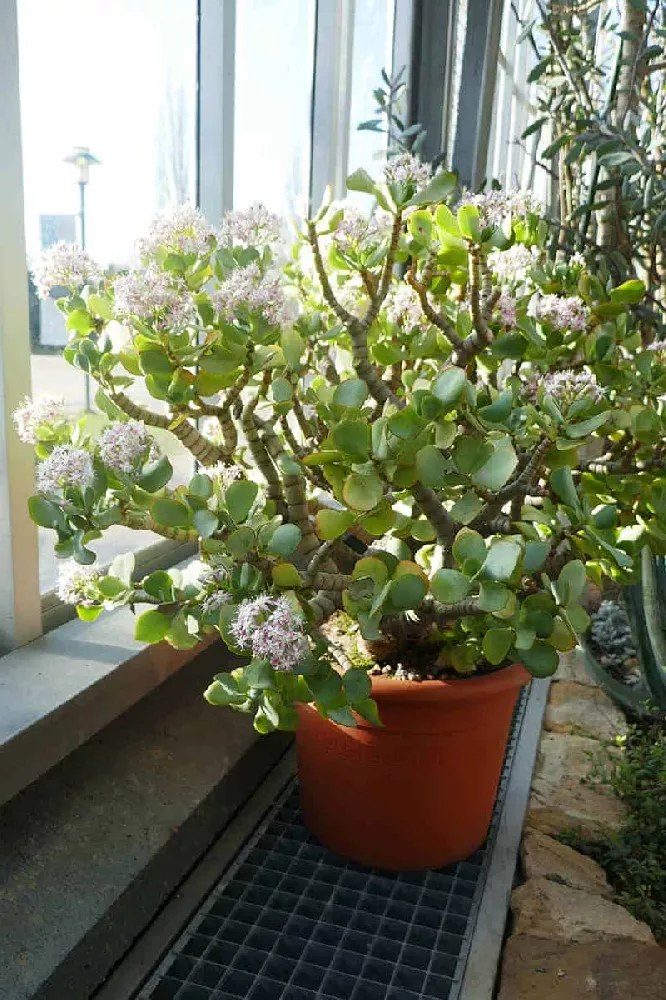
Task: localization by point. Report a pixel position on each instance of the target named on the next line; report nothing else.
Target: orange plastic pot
(418, 793)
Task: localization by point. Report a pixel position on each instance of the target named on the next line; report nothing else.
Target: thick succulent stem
(339, 310)
(436, 318)
(522, 482)
(482, 334)
(331, 581)
(144, 522)
(446, 612)
(295, 494)
(186, 432)
(358, 328)
(308, 429)
(436, 513)
(489, 516)
(377, 300)
(377, 387)
(259, 451)
(319, 557)
(192, 439)
(323, 605)
(138, 412)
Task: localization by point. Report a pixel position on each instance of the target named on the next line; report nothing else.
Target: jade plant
(481, 421)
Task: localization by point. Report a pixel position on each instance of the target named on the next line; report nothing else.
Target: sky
(94, 73)
(111, 74)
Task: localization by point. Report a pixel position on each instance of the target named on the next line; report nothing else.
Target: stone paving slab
(572, 668)
(563, 799)
(544, 857)
(542, 908)
(536, 969)
(582, 710)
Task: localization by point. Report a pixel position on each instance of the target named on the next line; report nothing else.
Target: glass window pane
(373, 43)
(274, 64)
(121, 79)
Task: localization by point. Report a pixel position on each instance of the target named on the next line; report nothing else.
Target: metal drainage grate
(290, 921)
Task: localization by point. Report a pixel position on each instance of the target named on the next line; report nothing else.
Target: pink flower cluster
(213, 576)
(513, 264)
(357, 230)
(352, 295)
(562, 312)
(407, 169)
(65, 467)
(76, 582)
(64, 265)
(212, 604)
(35, 413)
(268, 627)
(254, 226)
(183, 231)
(403, 308)
(506, 306)
(153, 294)
(262, 293)
(566, 386)
(126, 446)
(495, 206)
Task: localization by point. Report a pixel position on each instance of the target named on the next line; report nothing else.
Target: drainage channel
(290, 921)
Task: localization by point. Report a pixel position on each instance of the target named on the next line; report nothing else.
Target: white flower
(562, 312)
(119, 334)
(268, 627)
(577, 259)
(65, 467)
(254, 226)
(153, 294)
(210, 428)
(76, 582)
(657, 345)
(495, 206)
(352, 294)
(34, 413)
(403, 308)
(223, 474)
(64, 265)
(407, 169)
(248, 287)
(512, 264)
(183, 231)
(126, 446)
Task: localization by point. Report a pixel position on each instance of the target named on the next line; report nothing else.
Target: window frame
(25, 613)
(20, 604)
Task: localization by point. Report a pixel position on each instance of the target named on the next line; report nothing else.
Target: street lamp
(82, 159)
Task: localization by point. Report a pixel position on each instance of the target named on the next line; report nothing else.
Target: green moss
(358, 657)
(635, 857)
(347, 637)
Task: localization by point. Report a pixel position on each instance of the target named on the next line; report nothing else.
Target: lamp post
(82, 159)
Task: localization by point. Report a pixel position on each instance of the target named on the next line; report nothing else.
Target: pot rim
(451, 689)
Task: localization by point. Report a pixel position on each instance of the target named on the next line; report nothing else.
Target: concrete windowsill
(92, 850)
(63, 688)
